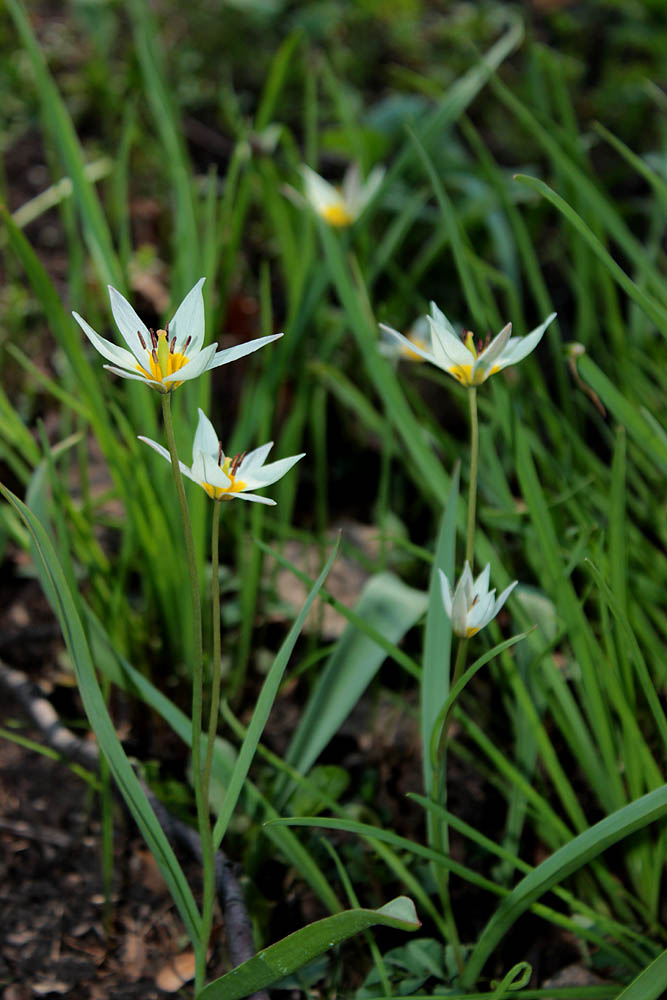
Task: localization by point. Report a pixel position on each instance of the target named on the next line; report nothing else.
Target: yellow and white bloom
(166, 359)
(468, 362)
(224, 477)
(341, 206)
(472, 605)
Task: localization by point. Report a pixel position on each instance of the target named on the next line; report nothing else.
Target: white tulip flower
(472, 605)
(470, 363)
(223, 477)
(166, 359)
(340, 206)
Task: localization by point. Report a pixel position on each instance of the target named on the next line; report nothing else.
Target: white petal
(408, 344)
(438, 316)
(482, 611)
(503, 597)
(319, 192)
(240, 351)
(256, 458)
(117, 355)
(205, 469)
(460, 604)
(272, 473)
(446, 590)
(352, 187)
(205, 439)
(520, 347)
(188, 320)
(481, 585)
(488, 356)
(448, 349)
(200, 363)
(165, 454)
(129, 324)
(132, 375)
(254, 498)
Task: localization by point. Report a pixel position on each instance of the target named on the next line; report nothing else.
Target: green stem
(474, 458)
(203, 818)
(207, 906)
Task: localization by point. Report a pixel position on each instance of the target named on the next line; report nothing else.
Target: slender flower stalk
(203, 818)
(472, 486)
(207, 905)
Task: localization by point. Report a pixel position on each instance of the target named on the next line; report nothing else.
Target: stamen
(173, 342)
(141, 339)
(153, 338)
(154, 355)
(464, 334)
(236, 462)
(186, 345)
(166, 328)
(219, 452)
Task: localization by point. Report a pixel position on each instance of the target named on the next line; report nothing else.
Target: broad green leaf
(392, 608)
(651, 984)
(279, 960)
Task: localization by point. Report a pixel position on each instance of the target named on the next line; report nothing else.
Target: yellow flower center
(463, 374)
(336, 214)
(163, 360)
(235, 486)
(472, 631)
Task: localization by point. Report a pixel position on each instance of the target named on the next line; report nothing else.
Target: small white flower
(472, 605)
(470, 363)
(341, 206)
(223, 477)
(166, 359)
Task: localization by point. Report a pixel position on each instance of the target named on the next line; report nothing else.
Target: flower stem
(203, 819)
(472, 492)
(207, 906)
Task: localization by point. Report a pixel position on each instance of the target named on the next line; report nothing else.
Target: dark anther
(464, 334)
(172, 345)
(237, 461)
(141, 339)
(186, 345)
(219, 452)
(166, 328)
(153, 339)
(154, 355)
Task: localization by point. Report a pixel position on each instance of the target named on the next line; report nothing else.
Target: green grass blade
(63, 603)
(651, 984)
(438, 630)
(57, 119)
(562, 863)
(293, 952)
(264, 704)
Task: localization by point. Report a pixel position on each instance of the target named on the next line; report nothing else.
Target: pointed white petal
(438, 316)
(448, 349)
(481, 612)
(446, 590)
(165, 454)
(256, 458)
(352, 187)
(460, 604)
(520, 347)
(240, 351)
(253, 497)
(319, 192)
(129, 324)
(488, 356)
(503, 597)
(205, 469)
(481, 584)
(200, 363)
(408, 344)
(205, 439)
(188, 320)
(272, 473)
(117, 355)
(132, 375)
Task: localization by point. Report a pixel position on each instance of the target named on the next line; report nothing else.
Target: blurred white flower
(340, 206)
(166, 359)
(470, 363)
(223, 477)
(472, 605)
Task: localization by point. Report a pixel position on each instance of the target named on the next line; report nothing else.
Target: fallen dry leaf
(179, 971)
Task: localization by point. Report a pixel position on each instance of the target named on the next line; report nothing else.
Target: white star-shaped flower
(472, 605)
